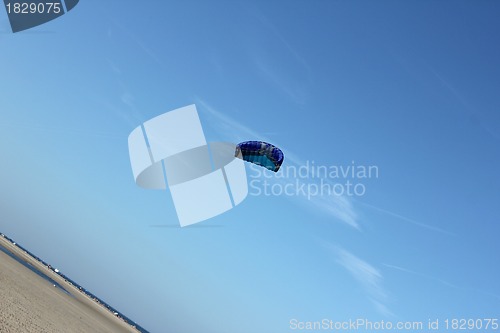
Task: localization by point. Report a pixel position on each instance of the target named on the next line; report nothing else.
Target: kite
(260, 153)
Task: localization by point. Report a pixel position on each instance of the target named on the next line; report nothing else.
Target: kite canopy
(260, 153)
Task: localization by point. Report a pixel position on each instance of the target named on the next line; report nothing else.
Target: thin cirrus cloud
(441, 281)
(409, 220)
(146, 49)
(294, 83)
(295, 89)
(339, 207)
(365, 274)
(268, 24)
(472, 113)
(405, 270)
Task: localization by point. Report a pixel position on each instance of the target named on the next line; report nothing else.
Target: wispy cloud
(228, 125)
(146, 49)
(365, 274)
(267, 23)
(450, 88)
(428, 277)
(124, 99)
(128, 99)
(133, 117)
(339, 207)
(470, 110)
(382, 308)
(114, 67)
(408, 220)
(441, 281)
(295, 80)
(295, 89)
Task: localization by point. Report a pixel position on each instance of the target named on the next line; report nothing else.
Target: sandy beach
(30, 303)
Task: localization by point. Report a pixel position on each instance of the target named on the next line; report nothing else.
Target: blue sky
(410, 87)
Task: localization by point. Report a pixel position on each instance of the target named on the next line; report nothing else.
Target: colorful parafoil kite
(260, 153)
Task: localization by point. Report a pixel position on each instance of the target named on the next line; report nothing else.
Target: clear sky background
(412, 87)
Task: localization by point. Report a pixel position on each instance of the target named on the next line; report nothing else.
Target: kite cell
(260, 153)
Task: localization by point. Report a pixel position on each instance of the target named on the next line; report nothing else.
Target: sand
(30, 303)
